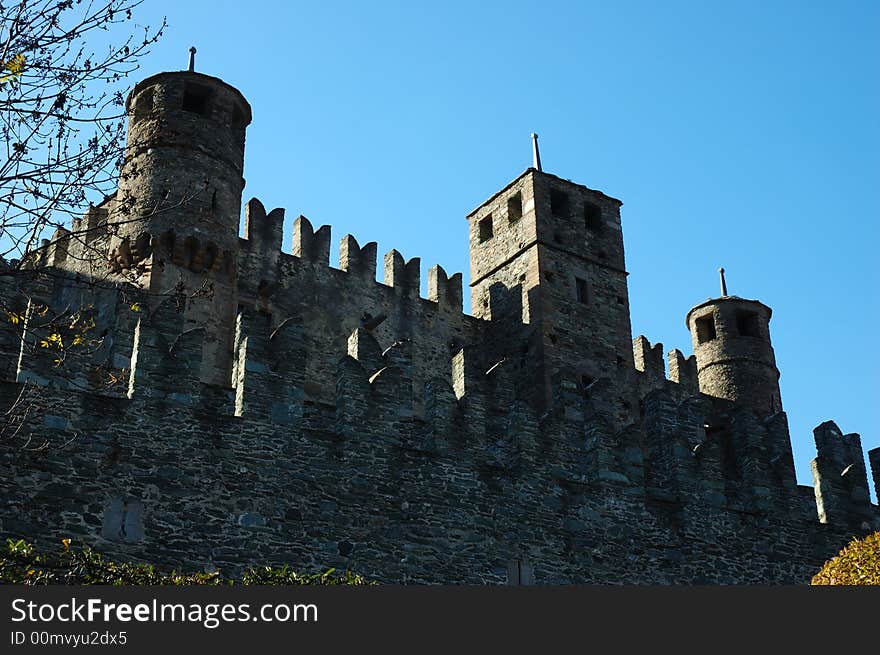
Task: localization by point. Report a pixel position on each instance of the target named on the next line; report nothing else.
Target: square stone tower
(547, 269)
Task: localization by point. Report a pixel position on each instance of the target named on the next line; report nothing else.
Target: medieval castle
(233, 404)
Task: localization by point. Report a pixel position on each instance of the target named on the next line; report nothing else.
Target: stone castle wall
(233, 404)
(169, 469)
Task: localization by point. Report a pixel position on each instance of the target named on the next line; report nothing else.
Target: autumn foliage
(857, 564)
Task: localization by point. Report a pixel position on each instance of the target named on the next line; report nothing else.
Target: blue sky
(738, 134)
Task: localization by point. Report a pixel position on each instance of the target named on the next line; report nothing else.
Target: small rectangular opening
(747, 324)
(514, 207)
(593, 217)
(143, 105)
(559, 203)
(583, 293)
(486, 228)
(520, 572)
(705, 328)
(195, 99)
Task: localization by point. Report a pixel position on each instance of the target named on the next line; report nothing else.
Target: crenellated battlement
(282, 284)
(683, 370)
(443, 289)
(649, 361)
(360, 260)
(310, 245)
(262, 242)
(403, 276)
(264, 232)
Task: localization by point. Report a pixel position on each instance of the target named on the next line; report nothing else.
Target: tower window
(705, 329)
(143, 105)
(514, 207)
(486, 228)
(582, 291)
(747, 324)
(195, 99)
(593, 217)
(559, 203)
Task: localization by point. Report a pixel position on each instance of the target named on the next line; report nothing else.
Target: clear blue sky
(738, 134)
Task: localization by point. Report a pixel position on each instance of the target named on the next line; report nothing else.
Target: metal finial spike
(723, 282)
(536, 156)
(192, 59)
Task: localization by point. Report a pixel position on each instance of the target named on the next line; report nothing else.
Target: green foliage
(284, 576)
(857, 564)
(21, 563)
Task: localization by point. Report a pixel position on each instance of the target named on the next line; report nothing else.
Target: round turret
(175, 217)
(735, 360)
(180, 186)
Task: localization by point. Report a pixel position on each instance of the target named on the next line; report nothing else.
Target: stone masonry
(270, 409)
